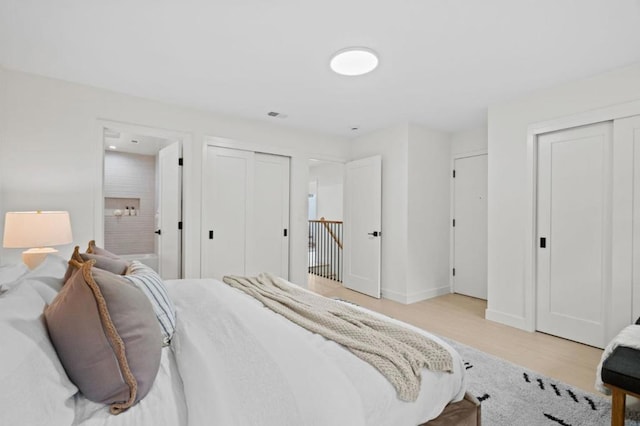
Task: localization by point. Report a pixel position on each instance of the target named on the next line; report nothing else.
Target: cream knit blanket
(397, 352)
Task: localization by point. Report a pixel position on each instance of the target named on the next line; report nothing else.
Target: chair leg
(617, 407)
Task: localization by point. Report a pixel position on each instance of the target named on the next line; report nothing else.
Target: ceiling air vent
(277, 115)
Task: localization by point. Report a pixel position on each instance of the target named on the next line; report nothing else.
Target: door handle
(543, 242)
(159, 232)
(375, 233)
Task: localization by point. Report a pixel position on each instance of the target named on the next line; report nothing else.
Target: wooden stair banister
(330, 231)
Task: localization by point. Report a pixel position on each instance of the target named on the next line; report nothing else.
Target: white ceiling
(442, 62)
(133, 143)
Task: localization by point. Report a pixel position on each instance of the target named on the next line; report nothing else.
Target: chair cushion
(622, 369)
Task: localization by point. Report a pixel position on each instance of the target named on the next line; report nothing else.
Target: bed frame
(462, 413)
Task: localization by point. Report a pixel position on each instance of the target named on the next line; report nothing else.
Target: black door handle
(159, 232)
(543, 242)
(374, 233)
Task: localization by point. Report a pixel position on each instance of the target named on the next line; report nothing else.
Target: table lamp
(36, 231)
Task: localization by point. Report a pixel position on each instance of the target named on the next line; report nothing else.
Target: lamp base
(35, 256)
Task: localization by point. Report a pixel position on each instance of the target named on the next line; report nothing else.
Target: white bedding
(164, 405)
(242, 364)
(232, 362)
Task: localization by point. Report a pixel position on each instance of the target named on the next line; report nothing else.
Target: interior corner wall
(508, 124)
(50, 149)
(428, 208)
(392, 145)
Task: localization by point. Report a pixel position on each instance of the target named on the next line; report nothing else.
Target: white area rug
(513, 396)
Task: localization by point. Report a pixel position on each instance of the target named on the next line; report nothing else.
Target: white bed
(232, 362)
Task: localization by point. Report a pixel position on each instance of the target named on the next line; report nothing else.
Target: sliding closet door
(574, 230)
(628, 132)
(227, 211)
(269, 247)
(245, 213)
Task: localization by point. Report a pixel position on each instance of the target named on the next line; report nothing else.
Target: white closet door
(268, 250)
(574, 230)
(227, 211)
(470, 230)
(628, 130)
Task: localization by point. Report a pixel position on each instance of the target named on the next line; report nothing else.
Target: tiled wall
(129, 177)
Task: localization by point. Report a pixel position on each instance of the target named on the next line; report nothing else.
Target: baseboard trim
(507, 319)
(396, 296)
(407, 299)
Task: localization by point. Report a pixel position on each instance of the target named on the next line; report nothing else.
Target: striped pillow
(148, 280)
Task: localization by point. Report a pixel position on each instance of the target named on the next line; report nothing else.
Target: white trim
(396, 296)
(185, 139)
(609, 113)
(452, 209)
(507, 319)
(407, 299)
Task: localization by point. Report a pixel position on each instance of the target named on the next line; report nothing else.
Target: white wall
(415, 209)
(507, 198)
(50, 149)
(329, 179)
(392, 145)
(428, 200)
(472, 140)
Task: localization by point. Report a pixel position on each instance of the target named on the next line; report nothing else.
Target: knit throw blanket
(395, 351)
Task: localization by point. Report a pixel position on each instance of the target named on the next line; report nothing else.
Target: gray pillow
(112, 264)
(94, 249)
(106, 335)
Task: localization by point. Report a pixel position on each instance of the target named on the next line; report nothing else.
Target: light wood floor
(461, 318)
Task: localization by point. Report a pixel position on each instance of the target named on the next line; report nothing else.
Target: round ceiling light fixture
(354, 61)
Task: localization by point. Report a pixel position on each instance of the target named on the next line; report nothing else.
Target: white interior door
(228, 179)
(470, 230)
(362, 225)
(574, 230)
(170, 212)
(269, 248)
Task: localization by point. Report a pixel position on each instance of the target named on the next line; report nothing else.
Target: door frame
(184, 138)
(452, 208)
(619, 274)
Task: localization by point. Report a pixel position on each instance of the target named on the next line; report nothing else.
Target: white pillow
(46, 278)
(11, 273)
(34, 388)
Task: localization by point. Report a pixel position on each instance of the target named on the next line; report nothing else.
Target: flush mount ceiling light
(354, 61)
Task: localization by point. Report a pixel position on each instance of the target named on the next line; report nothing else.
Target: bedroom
(49, 152)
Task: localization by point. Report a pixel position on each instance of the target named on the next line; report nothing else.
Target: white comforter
(242, 364)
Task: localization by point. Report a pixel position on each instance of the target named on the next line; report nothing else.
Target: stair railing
(325, 248)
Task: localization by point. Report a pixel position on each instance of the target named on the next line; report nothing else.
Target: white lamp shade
(36, 229)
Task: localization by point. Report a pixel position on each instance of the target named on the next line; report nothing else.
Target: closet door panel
(574, 219)
(269, 247)
(628, 132)
(228, 179)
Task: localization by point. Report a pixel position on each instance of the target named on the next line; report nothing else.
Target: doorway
(325, 217)
(142, 198)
